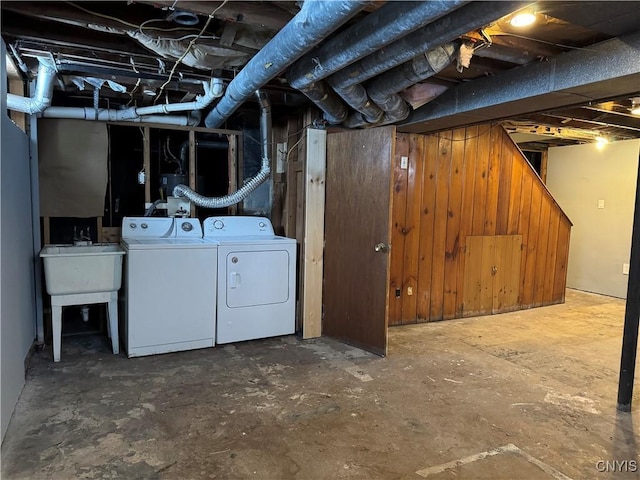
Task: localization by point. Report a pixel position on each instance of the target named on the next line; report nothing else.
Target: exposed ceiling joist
(249, 13)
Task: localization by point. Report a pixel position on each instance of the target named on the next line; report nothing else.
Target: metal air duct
(43, 94)
(371, 34)
(390, 22)
(313, 23)
(383, 90)
(442, 30)
(250, 185)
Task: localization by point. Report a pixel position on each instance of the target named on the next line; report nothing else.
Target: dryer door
(257, 278)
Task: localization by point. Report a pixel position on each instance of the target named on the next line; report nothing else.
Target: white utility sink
(70, 269)
(81, 275)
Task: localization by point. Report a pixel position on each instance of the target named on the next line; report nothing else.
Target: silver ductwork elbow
(257, 180)
(43, 94)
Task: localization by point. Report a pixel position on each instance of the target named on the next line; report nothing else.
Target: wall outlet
(404, 163)
(625, 269)
(600, 203)
(281, 159)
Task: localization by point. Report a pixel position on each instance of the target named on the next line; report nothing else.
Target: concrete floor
(529, 394)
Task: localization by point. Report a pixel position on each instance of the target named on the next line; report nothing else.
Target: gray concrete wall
(580, 177)
(17, 307)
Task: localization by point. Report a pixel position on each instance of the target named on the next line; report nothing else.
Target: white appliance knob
(218, 224)
(144, 226)
(262, 224)
(132, 226)
(187, 227)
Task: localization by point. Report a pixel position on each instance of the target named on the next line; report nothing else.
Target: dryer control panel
(237, 226)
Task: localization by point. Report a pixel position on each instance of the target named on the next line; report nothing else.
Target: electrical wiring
(188, 49)
(133, 25)
(143, 26)
(109, 17)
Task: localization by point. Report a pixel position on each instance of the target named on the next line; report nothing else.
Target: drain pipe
(110, 115)
(43, 94)
(254, 182)
(314, 22)
(212, 89)
(41, 101)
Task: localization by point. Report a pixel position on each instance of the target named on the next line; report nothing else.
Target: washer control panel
(147, 227)
(237, 226)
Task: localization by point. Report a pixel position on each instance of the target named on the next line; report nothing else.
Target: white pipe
(112, 115)
(212, 90)
(41, 99)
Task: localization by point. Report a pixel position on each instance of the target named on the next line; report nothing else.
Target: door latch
(381, 247)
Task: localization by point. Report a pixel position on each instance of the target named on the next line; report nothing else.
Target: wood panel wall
(470, 181)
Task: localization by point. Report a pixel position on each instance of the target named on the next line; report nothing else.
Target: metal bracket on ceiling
(486, 37)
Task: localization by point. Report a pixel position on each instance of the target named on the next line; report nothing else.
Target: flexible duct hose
(254, 182)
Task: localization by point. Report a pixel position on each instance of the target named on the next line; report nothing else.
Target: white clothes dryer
(170, 286)
(256, 278)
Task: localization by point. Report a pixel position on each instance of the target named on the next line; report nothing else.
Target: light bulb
(523, 19)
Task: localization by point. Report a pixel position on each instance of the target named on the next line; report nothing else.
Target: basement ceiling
(569, 77)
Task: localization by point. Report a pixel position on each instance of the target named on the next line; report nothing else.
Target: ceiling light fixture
(601, 142)
(635, 106)
(523, 19)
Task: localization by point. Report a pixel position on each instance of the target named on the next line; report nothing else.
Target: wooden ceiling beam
(256, 14)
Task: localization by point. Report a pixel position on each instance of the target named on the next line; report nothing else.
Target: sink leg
(112, 325)
(56, 327)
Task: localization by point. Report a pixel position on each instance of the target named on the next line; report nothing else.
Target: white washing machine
(169, 286)
(256, 278)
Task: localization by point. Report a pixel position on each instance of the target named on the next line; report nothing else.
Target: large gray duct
(563, 81)
(371, 34)
(443, 30)
(254, 182)
(390, 22)
(345, 83)
(316, 20)
(384, 89)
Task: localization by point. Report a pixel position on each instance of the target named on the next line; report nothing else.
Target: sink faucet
(81, 239)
